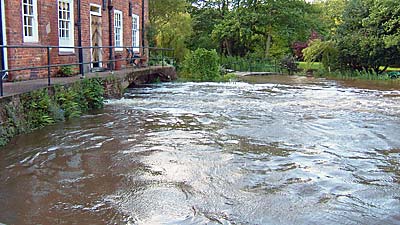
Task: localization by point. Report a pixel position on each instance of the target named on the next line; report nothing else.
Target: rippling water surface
(275, 150)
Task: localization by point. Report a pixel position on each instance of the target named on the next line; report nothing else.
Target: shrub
(201, 65)
(324, 51)
(66, 71)
(43, 108)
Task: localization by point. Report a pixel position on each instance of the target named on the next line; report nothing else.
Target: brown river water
(268, 150)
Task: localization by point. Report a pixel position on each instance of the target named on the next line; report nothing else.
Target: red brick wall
(48, 33)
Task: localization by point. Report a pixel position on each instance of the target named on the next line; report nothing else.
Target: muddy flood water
(268, 150)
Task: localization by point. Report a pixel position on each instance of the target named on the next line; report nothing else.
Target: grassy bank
(319, 71)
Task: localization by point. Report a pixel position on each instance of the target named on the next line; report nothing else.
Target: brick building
(67, 24)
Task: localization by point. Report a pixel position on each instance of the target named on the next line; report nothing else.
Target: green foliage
(362, 37)
(67, 99)
(66, 71)
(42, 108)
(170, 26)
(80, 97)
(324, 51)
(242, 27)
(201, 65)
(39, 109)
(331, 14)
(93, 92)
(385, 16)
(359, 75)
(12, 126)
(230, 77)
(47, 106)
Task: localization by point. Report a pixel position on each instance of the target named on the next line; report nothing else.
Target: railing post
(48, 66)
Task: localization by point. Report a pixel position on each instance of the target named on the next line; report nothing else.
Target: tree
(325, 51)
(362, 37)
(385, 16)
(331, 14)
(170, 25)
(265, 28)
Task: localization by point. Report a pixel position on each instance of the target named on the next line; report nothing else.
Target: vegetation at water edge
(48, 106)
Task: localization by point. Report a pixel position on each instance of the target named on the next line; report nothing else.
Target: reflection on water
(274, 150)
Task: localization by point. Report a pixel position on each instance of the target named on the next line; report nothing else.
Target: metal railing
(146, 56)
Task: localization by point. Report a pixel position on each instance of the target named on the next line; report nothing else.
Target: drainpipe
(110, 10)
(1, 49)
(143, 30)
(80, 50)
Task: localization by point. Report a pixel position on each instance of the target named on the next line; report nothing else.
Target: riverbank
(32, 104)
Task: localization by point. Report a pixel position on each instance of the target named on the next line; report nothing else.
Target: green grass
(357, 76)
(313, 66)
(319, 66)
(390, 69)
(320, 72)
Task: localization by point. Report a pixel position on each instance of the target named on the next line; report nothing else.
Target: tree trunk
(228, 47)
(268, 45)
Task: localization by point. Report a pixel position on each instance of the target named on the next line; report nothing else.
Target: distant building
(55, 23)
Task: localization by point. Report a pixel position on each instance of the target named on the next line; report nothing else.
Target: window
(118, 30)
(135, 33)
(29, 20)
(95, 10)
(65, 25)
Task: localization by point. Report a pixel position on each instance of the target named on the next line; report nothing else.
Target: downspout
(80, 50)
(110, 8)
(143, 29)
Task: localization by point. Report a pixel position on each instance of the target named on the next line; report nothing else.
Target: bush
(201, 65)
(66, 71)
(43, 108)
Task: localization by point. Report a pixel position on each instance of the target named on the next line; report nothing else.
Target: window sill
(66, 53)
(119, 49)
(32, 43)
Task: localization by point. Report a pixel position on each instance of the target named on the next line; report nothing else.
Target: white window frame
(118, 26)
(3, 15)
(34, 37)
(135, 33)
(70, 40)
(97, 12)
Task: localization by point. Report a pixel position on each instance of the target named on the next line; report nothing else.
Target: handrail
(151, 56)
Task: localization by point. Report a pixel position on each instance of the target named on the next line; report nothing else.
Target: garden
(357, 39)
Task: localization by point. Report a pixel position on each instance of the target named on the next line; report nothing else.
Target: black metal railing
(134, 56)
